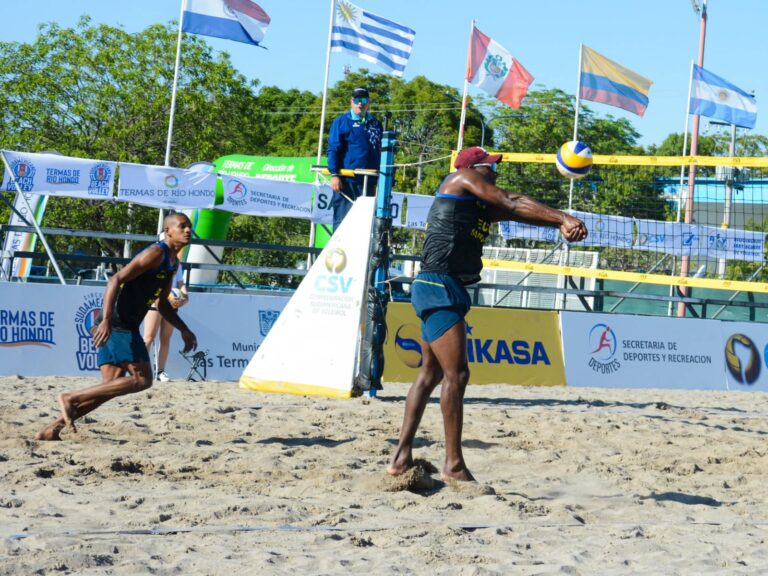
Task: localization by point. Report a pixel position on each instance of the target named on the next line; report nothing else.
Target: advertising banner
(744, 347)
(503, 346)
(622, 351)
(604, 230)
(675, 238)
(164, 187)
(45, 330)
(264, 197)
(732, 244)
(58, 175)
(510, 230)
(22, 241)
(417, 208)
(313, 346)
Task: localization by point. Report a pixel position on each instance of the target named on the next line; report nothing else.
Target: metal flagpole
(576, 120)
(312, 225)
(34, 221)
(460, 142)
(685, 262)
(682, 179)
(173, 106)
(685, 143)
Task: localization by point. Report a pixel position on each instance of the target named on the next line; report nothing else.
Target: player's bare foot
(460, 474)
(399, 466)
(50, 432)
(68, 412)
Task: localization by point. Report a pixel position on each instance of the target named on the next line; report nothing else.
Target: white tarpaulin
(313, 346)
(266, 197)
(675, 238)
(57, 175)
(45, 330)
(162, 186)
(511, 229)
(604, 230)
(623, 351)
(417, 208)
(732, 244)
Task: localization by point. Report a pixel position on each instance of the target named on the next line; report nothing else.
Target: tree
(100, 92)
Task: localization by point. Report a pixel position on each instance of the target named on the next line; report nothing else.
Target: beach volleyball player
(122, 356)
(459, 221)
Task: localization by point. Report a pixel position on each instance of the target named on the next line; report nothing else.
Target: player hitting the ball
(466, 203)
(122, 355)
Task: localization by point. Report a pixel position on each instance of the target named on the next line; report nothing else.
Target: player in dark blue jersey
(122, 354)
(466, 204)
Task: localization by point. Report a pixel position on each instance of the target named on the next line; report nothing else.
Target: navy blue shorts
(123, 346)
(440, 301)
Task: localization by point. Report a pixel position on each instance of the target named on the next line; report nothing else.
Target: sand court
(207, 478)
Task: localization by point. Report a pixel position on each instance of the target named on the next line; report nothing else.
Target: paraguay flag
(603, 80)
(238, 20)
(715, 97)
(491, 68)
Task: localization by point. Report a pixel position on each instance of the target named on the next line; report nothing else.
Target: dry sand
(204, 478)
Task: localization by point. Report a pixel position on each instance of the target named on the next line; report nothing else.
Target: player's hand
(190, 341)
(573, 229)
(336, 183)
(101, 333)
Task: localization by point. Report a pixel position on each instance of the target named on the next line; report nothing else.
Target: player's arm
(150, 258)
(169, 313)
(505, 205)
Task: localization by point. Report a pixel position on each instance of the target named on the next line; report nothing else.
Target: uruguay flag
(238, 20)
(715, 97)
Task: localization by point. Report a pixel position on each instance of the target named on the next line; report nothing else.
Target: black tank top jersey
(457, 227)
(137, 295)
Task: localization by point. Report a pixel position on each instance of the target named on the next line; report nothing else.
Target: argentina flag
(715, 97)
(372, 38)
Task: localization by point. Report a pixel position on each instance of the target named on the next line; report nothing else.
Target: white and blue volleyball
(574, 159)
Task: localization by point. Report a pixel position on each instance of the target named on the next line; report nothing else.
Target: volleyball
(175, 294)
(574, 159)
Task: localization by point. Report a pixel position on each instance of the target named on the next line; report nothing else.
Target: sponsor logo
(85, 320)
(24, 174)
(237, 193)
(479, 350)
(57, 176)
(100, 176)
(267, 319)
(742, 359)
(27, 328)
(717, 241)
(171, 181)
(336, 260)
(603, 343)
(408, 345)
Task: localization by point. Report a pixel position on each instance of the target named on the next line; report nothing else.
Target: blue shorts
(440, 301)
(123, 346)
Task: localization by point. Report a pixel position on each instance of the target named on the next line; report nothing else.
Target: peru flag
(494, 70)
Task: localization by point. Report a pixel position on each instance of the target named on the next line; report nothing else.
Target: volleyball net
(642, 219)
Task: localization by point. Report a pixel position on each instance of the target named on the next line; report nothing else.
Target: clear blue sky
(656, 38)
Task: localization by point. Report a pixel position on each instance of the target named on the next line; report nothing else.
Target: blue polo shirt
(354, 142)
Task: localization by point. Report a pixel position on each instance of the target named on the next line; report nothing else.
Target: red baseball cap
(475, 155)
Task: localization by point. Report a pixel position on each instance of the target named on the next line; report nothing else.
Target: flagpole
(576, 119)
(460, 142)
(173, 107)
(685, 143)
(325, 85)
(312, 225)
(685, 262)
